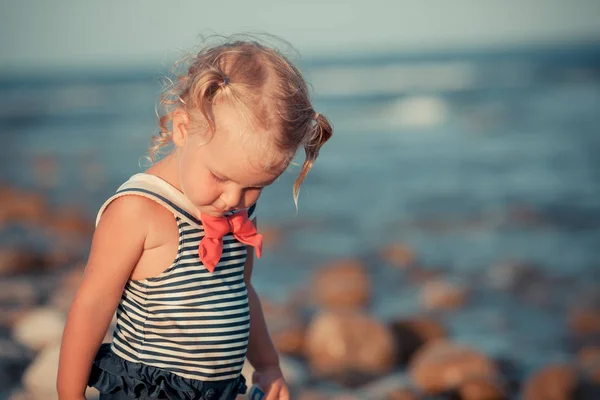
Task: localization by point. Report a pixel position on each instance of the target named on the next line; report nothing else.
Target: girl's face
(225, 173)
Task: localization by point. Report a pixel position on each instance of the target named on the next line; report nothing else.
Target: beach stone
(588, 360)
(584, 321)
(346, 343)
(40, 328)
(21, 206)
(399, 255)
(401, 394)
(295, 372)
(71, 221)
(553, 382)
(14, 359)
(39, 380)
(18, 292)
(287, 329)
(343, 284)
(442, 295)
(481, 389)
(18, 261)
(442, 366)
(10, 315)
(412, 334)
(512, 275)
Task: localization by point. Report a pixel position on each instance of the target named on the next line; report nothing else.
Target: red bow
(211, 245)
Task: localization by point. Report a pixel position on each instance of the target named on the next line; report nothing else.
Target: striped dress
(186, 320)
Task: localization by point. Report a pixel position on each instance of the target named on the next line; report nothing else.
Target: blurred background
(458, 199)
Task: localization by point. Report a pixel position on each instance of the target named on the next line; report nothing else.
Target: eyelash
(216, 178)
(220, 180)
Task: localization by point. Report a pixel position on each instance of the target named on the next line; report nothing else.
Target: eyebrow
(260, 184)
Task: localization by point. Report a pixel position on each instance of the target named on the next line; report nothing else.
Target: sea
(472, 159)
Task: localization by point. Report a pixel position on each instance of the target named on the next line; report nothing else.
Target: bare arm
(261, 350)
(117, 245)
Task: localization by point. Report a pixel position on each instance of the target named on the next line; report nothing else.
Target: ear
(181, 122)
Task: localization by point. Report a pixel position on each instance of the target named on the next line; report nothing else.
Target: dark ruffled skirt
(118, 379)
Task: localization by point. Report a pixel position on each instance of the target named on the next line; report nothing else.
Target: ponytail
(321, 131)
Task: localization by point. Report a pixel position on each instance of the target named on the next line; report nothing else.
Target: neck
(167, 169)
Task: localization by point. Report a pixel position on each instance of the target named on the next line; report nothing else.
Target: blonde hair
(266, 87)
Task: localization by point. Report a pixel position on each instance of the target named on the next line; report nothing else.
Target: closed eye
(216, 178)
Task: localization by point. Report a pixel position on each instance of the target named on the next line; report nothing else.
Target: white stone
(39, 379)
(294, 372)
(40, 328)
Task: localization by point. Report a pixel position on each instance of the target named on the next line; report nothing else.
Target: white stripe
(199, 331)
(183, 324)
(192, 315)
(182, 355)
(208, 307)
(204, 293)
(196, 339)
(194, 283)
(200, 347)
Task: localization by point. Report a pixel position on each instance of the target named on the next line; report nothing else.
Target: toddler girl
(173, 248)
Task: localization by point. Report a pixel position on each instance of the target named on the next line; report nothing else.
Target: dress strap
(157, 189)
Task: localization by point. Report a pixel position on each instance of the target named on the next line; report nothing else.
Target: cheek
(199, 187)
(251, 196)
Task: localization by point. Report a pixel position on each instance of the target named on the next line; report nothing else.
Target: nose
(232, 197)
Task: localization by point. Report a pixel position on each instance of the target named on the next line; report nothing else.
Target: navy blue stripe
(201, 271)
(128, 310)
(199, 287)
(189, 360)
(200, 342)
(152, 291)
(209, 317)
(180, 349)
(197, 326)
(206, 302)
(200, 296)
(208, 334)
(134, 305)
(192, 310)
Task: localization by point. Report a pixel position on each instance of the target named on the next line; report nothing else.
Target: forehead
(243, 151)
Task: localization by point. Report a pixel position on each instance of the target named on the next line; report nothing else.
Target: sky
(41, 34)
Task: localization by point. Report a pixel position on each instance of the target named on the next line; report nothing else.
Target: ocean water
(470, 159)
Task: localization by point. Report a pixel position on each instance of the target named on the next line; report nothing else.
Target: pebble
(481, 389)
(15, 261)
(345, 343)
(443, 365)
(39, 379)
(39, 328)
(343, 284)
(399, 255)
(552, 382)
(442, 295)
